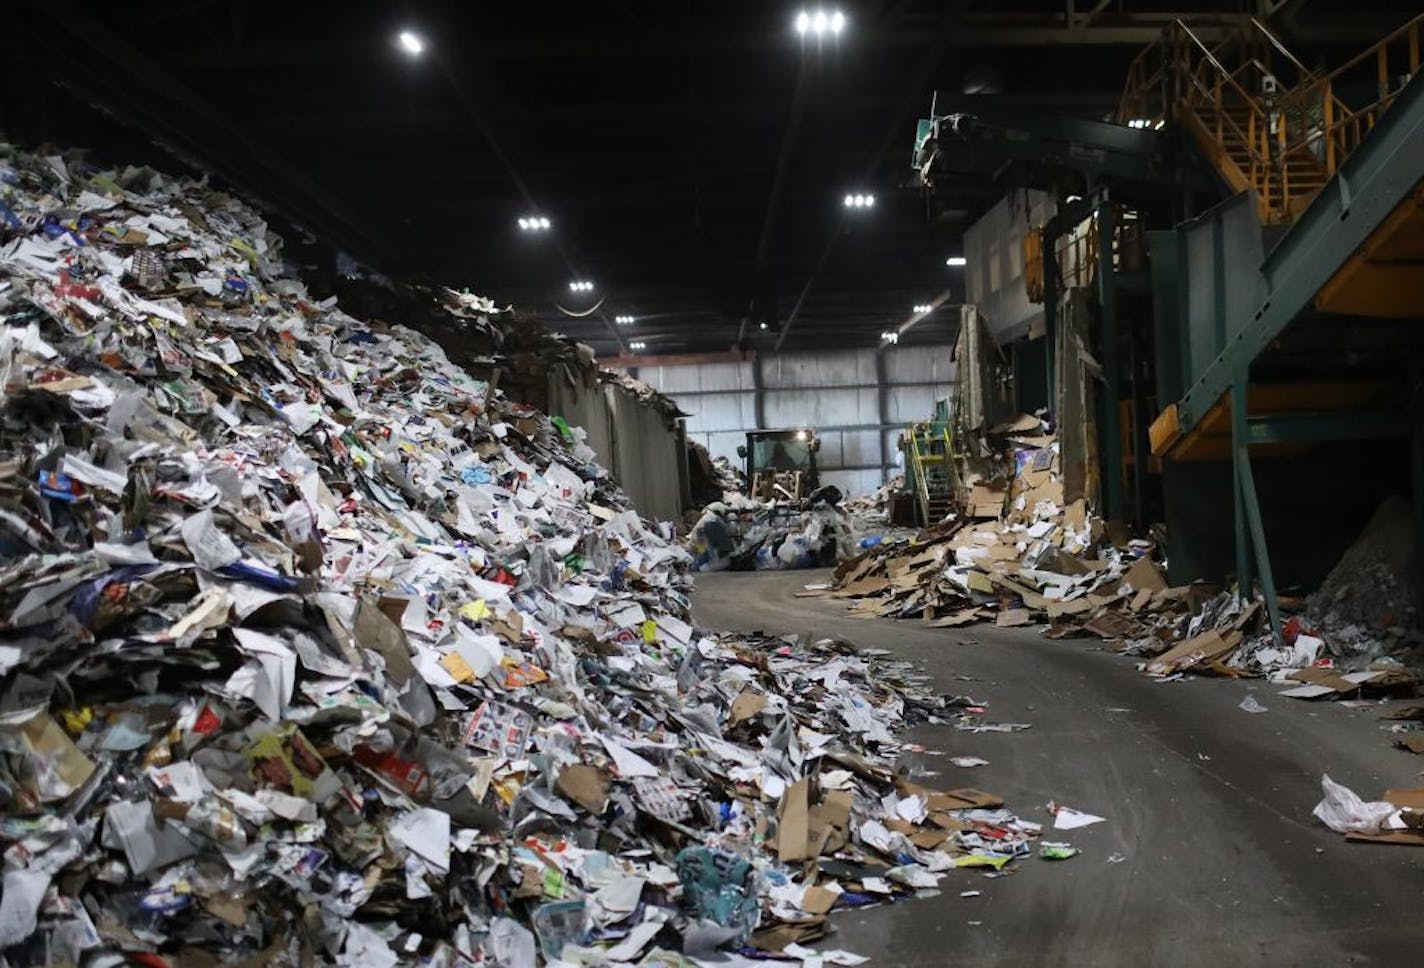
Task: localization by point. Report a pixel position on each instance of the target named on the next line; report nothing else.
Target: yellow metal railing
(923, 438)
(1271, 124)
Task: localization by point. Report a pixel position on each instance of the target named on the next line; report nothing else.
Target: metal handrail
(1339, 136)
(1280, 47)
(1307, 125)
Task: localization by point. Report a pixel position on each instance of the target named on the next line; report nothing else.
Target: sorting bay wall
(858, 401)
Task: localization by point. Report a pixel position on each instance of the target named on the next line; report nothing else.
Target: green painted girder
(1302, 428)
(1376, 178)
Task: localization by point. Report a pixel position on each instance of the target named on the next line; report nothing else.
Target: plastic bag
(1345, 813)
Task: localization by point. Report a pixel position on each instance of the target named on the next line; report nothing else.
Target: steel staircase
(931, 453)
(1265, 121)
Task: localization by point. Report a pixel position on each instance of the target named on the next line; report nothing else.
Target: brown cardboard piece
(778, 936)
(585, 785)
(828, 824)
(1077, 606)
(818, 900)
(864, 586)
(1144, 573)
(961, 617)
(1013, 617)
(1411, 798)
(1323, 677)
(1210, 645)
(744, 707)
(59, 766)
(964, 798)
(376, 630)
(793, 822)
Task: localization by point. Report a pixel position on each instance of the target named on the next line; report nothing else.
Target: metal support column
(882, 414)
(1417, 477)
(1112, 408)
(1050, 317)
(1250, 529)
(758, 394)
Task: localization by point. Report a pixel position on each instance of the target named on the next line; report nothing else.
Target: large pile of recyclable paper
(316, 650)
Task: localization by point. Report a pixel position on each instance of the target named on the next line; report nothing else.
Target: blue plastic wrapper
(60, 487)
(257, 575)
(557, 924)
(721, 888)
(476, 475)
(84, 605)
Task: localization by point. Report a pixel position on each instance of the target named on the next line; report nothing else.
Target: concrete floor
(1210, 806)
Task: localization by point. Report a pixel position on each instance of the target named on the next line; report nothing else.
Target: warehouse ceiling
(692, 158)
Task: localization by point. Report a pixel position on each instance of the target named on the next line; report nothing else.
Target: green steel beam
(1094, 149)
(1417, 461)
(1250, 532)
(1310, 427)
(1376, 178)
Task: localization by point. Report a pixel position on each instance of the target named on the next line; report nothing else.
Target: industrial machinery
(781, 463)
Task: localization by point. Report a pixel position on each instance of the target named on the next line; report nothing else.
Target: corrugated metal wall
(857, 400)
(632, 440)
(994, 269)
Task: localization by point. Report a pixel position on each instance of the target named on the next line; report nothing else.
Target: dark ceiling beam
(356, 119)
(545, 45)
(105, 69)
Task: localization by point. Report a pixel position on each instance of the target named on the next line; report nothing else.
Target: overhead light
(535, 223)
(637, 345)
(624, 320)
(859, 201)
(819, 23)
(800, 435)
(581, 285)
(924, 308)
(761, 325)
(890, 336)
(411, 43)
(956, 261)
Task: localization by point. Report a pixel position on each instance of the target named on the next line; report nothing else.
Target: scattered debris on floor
(740, 533)
(1066, 818)
(1020, 556)
(1398, 818)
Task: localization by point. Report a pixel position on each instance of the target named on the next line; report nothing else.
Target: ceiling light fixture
(923, 308)
(411, 43)
(535, 223)
(890, 336)
(859, 201)
(624, 320)
(955, 261)
(762, 324)
(637, 344)
(581, 285)
(819, 23)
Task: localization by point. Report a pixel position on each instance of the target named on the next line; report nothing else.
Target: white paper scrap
(211, 549)
(629, 764)
(1066, 818)
(426, 833)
